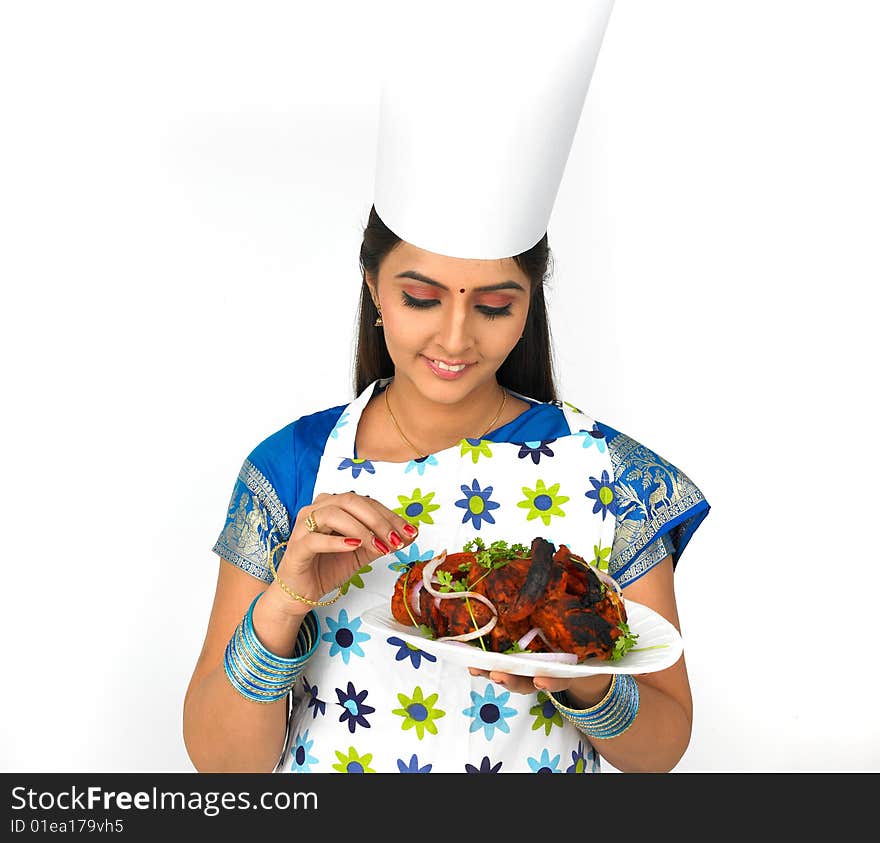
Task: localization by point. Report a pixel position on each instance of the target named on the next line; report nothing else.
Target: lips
(448, 362)
(445, 373)
(447, 368)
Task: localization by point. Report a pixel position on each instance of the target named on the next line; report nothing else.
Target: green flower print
(476, 448)
(353, 762)
(600, 556)
(545, 713)
(419, 712)
(542, 502)
(356, 580)
(417, 507)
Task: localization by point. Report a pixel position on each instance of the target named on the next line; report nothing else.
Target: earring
(378, 323)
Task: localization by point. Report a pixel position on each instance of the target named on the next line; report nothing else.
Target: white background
(183, 187)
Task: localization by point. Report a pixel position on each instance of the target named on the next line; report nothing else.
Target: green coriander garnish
(623, 644)
(406, 597)
(449, 584)
(497, 555)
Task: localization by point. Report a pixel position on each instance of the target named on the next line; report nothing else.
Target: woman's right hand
(316, 563)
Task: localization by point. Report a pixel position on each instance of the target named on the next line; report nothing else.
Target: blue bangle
(306, 641)
(257, 673)
(246, 684)
(612, 715)
(251, 679)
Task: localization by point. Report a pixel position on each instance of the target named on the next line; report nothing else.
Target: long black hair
(528, 369)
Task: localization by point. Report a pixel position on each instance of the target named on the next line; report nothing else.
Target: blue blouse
(657, 507)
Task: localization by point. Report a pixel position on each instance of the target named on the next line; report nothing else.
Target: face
(437, 309)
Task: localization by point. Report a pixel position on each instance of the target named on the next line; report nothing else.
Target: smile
(447, 369)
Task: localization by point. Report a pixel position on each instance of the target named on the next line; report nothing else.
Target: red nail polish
(353, 542)
(395, 539)
(381, 546)
(409, 529)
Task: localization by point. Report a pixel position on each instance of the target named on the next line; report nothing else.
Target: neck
(431, 425)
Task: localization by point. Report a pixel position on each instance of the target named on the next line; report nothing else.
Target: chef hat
(479, 102)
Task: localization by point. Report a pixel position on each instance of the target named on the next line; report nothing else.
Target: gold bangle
(581, 711)
(285, 588)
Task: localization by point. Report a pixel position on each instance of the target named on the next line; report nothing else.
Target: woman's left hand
(587, 687)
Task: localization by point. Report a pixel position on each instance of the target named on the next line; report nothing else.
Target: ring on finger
(311, 524)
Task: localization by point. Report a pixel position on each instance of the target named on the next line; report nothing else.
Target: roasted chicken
(514, 600)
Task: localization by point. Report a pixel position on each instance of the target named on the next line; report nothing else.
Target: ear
(370, 281)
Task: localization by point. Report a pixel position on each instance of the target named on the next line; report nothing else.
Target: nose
(456, 332)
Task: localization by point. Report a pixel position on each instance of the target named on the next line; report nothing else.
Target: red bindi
(461, 290)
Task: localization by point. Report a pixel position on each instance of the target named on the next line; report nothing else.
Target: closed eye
(489, 312)
(412, 301)
(494, 312)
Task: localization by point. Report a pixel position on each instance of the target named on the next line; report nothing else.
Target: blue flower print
(420, 464)
(344, 636)
(486, 766)
(317, 705)
(544, 764)
(357, 466)
(407, 651)
(354, 709)
(535, 450)
(603, 494)
(412, 766)
(489, 712)
(578, 760)
(405, 559)
(593, 437)
(476, 502)
(339, 424)
(301, 758)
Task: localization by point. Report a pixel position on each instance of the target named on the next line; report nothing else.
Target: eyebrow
(417, 276)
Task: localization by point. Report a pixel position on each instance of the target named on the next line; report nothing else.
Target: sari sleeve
(258, 523)
(658, 508)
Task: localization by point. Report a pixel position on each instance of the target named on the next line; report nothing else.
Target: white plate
(654, 632)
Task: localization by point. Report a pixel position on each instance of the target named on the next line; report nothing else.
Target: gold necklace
(421, 456)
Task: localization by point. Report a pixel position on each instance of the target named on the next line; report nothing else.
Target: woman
(453, 374)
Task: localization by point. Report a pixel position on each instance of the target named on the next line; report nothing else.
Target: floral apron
(368, 702)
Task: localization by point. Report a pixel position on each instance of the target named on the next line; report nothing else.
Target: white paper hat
(479, 103)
